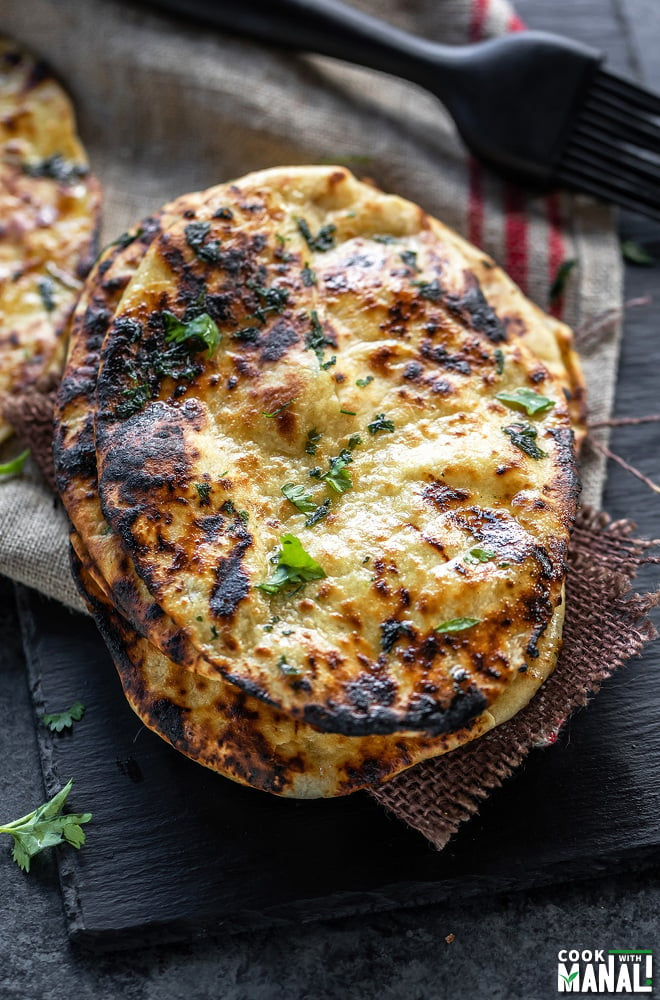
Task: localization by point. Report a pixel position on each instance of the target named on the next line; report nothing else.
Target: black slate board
(175, 852)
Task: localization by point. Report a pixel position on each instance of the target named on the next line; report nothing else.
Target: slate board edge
(349, 905)
(52, 781)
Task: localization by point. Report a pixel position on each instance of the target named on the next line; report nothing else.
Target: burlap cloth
(165, 107)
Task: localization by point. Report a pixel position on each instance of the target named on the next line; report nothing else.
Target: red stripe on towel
(556, 247)
(516, 235)
(515, 24)
(478, 19)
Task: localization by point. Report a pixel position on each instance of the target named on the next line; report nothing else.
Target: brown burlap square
(606, 623)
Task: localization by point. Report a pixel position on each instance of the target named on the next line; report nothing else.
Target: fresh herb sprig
(46, 826)
(526, 399)
(523, 436)
(58, 721)
(293, 566)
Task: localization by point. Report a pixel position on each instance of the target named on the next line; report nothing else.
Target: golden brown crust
(219, 726)
(49, 212)
(396, 307)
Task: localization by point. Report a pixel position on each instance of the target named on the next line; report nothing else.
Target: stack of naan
(49, 215)
(318, 455)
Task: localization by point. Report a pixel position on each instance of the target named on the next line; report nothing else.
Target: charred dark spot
(404, 597)
(472, 306)
(212, 527)
(38, 73)
(538, 376)
(413, 370)
(169, 718)
(440, 386)
(443, 496)
(278, 340)
(232, 382)
(154, 613)
(392, 630)
(218, 306)
(232, 584)
(369, 689)
(131, 769)
(175, 646)
(439, 354)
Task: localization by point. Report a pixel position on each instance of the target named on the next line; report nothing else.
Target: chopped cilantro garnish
(293, 565)
(313, 438)
(299, 497)
(364, 382)
(308, 275)
(64, 720)
(384, 238)
(288, 668)
(13, 467)
(56, 168)
(498, 354)
(46, 289)
(279, 409)
(337, 476)
(271, 300)
(196, 233)
(477, 554)
(204, 493)
(430, 290)
(380, 423)
(353, 441)
(201, 328)
(324, 240)
(328, 364)
(315, 339)
(318, 515)
(457, 624)
(526, 399)
(409, 258)
(524, 436)
(214, 632)
(349, 413)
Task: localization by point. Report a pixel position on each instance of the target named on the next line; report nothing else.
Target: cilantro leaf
(15, 466)
(202, 328)
(316, 340)
(318, 515)
(46, 826)
(498, 355)
(64, 720)
(204, 493)
(324, 240)
(294, 565)
(477, 554)
(524, 436)
(526, 399)
(308, 275)
(313, 438)
(337, 476)
(298, 496)
(380, 423)
(457, 624)
(196, 233)
(364, 382)
(290, 669)
(279, 409)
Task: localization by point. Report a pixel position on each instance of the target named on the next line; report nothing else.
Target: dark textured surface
(505, 946)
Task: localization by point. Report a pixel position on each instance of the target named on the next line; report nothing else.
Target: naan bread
(296, 268)
(221, 727)
(49, 216)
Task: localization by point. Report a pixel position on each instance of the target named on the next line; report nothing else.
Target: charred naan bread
(223, 728)
(49, 214)
(336, 474)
